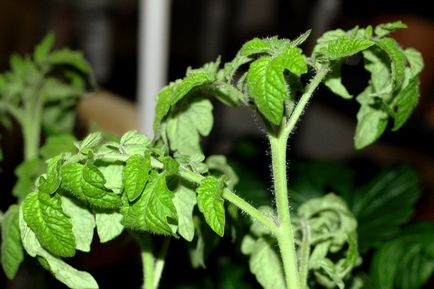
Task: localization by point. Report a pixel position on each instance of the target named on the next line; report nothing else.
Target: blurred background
(198, 31)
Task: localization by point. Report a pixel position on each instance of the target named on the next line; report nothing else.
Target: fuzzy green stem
(148, 263)
(285, 238)
(159, 263)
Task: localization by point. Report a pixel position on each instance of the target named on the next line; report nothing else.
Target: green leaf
(27, 172)
(174, 92)
(135, 175)
(58, 144)
(301, 39)
(334, 82)
(397, 59)
(112, 173)
(69, 57)
(384, 29)
(266, 82)
(219, 162)
(108, 225)
(45, 216)
(227, 94)
(153, 209)
(11, 248)
(91, 141)
(63, 272)
(415, 60)
(133, 143)
(185, 128)
(86, 183)
(255, 46)
(265, 264)
(54, 90)
(211, 203)
(345, 46)
(405, 102)
(43, 48)
(51, 182)
(170, 165)
(83, 224)
(184, 201)
(384, 204)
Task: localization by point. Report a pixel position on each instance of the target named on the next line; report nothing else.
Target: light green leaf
(83, 224)
(86, 183)
(54, 90)
(63, 272)
(43, 48)
(133, 143)
(397, 59)
(11, 248)
(45, 216)
(108, 225)
(135, 175)
(255, 46)
(58, 144)
(265, 264)
(345, 46)
(153, 209)
(91, 141)
(211, 203)
(219, 162)
(69, 57)
(185, 128)
(371, 124)
(384, 29)
(405, 102)
(227, 94)
(415, 60)
(112, 173)
(301, 39)
(51, 181)
(174, 92)
(334, 82)
(184, 201)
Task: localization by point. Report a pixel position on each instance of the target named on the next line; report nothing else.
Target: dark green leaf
(135, 175)
(211, 203)
(45, 216)
(397, 59)
(405, 102)
(11, 248)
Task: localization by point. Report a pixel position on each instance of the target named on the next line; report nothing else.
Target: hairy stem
(148, 262)
(159, 263)
(285, 238)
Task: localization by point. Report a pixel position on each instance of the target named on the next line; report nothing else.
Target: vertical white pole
(154, 20)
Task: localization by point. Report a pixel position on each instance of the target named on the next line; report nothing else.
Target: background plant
(154, 186)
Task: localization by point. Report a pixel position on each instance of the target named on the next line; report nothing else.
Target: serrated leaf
(133, 142)
(345, 46)
(384, 29)
(135, 175)
(301, 39)
(43, 48)
(63, 272)
(211, 203)
(50, 183)
(153, 209)
(11, 248)
(69, 57)
(255, 46)
(175, 91)
(185, 128)
(184, 201)
(415, 60)
(397, 59)
(112, 173)
(45, 216)
(58, 144)
(405, 102)
(86, 183)
(108, 225)
(91, 141)
(334, 82)
(265, 264)
(83, 224)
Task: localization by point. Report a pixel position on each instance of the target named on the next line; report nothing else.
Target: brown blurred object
(109, 112)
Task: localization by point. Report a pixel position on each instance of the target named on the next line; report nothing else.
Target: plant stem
(304, 253)
(285, 238)
(278, 143)
(148, 262)
(235, 200)
(159, 263)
